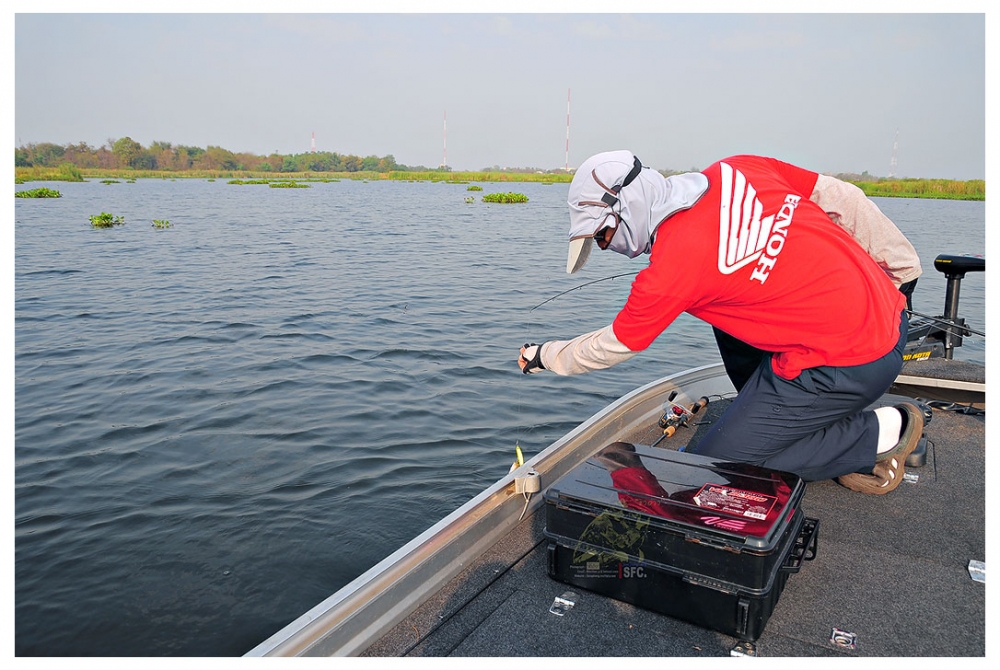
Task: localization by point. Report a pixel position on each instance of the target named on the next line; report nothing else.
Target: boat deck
(892, 570)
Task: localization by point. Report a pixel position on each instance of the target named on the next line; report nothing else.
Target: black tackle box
(707, 541)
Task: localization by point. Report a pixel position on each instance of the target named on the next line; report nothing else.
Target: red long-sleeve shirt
(760, 261)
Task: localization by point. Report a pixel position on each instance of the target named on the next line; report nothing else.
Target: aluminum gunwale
(353, 618)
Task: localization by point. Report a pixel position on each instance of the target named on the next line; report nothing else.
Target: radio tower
(312, 145)
(444, 159)
(892, 162)
(567, 129)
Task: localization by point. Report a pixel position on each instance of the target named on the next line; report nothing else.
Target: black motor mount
(930, 337)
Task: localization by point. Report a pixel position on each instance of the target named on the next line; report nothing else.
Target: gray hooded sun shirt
(597, 198)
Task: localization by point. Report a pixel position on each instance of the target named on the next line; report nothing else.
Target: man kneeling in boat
(805, 283)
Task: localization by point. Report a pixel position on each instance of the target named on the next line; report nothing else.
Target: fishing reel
(677, 416)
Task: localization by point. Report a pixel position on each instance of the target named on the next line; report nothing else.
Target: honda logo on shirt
(745, 237)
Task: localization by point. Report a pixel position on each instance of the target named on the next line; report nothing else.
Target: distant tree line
(127, 153)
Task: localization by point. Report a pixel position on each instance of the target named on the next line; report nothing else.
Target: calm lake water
(220, 424)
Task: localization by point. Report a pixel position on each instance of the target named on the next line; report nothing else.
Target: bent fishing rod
(624, 274)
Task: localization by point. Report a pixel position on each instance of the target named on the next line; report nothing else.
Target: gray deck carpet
(891, 570)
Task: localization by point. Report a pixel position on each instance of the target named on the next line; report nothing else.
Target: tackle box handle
(805, 546)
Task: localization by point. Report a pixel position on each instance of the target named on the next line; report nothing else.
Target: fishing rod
(624, 274)
(519, 460)
(950, 324)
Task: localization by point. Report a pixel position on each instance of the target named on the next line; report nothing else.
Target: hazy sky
(826, 91)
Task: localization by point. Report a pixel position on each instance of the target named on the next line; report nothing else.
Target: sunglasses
(601, 237)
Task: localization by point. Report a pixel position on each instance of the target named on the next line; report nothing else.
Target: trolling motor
(937, 337)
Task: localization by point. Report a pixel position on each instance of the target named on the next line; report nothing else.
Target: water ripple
(220, 424)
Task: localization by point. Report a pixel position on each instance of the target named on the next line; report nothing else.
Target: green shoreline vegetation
(942, 189)
(127, 159)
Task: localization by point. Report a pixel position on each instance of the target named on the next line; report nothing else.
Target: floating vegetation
(287, 184)
(38, 193)
(243, 182)
(505, 197)
(470, 199)
(211, 180)
(130, 181)
(474, 188)
(456, 181)
(110, 181)
(106, 220)
(160, 223)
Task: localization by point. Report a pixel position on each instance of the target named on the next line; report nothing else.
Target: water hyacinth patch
(106, 220)
(505, 197)
(38, 193)
(474, 188)
(160, 223)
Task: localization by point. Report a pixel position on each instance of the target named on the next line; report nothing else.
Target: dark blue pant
(813, 425)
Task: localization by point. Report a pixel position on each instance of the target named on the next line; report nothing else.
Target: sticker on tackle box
(735, 502)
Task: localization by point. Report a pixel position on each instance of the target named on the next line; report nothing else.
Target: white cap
(587, 211)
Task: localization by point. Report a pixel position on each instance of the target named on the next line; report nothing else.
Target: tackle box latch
(805, 546)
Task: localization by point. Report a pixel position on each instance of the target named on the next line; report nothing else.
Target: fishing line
(520, 392)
